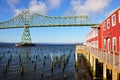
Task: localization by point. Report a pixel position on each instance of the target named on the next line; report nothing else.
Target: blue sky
(97, 10)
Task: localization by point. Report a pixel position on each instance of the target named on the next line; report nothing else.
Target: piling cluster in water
(38, 61)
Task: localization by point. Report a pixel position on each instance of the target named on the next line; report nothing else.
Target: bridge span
(28, 20)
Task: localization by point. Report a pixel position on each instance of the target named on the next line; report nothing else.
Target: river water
(38, 63)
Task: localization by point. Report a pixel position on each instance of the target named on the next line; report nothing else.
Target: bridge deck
(26, 18)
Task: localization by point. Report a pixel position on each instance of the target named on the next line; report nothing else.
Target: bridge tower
(26, 38)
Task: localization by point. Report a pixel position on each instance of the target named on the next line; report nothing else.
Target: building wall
(107, 33)
(92, 38)
(100, 36)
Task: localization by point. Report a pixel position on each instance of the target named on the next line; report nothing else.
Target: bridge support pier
(104, 71)
(76, 57)
(114, 74)
(94, 66)
(91, 61)
(87, 56)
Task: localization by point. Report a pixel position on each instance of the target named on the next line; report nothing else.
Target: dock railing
(111, 58)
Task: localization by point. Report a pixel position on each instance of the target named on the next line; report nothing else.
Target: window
(114, 44)
(104, 26)
(108, 23)
(109, 44)
(104, 43)
(119, 16)
(113, 20)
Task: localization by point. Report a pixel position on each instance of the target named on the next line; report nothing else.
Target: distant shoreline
(12, 44)
(37, 44)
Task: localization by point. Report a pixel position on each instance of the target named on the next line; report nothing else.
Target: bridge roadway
(29, 19)
(108, 60)
(52, 25)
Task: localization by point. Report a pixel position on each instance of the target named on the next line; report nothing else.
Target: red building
(107, 36)
(92, 38)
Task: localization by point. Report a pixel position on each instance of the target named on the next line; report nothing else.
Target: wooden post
(76, 57)
(104, 71)
(94, 66)
(114, 74)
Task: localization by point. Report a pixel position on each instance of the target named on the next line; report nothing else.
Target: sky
(97, 10)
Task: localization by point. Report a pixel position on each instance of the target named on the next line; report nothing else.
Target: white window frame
(114, 38)
(108, 23)
(104, 44)
(104, 26)
(108, 43)
(119, 15)
(113, 21)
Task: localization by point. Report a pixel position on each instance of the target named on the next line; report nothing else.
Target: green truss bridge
(28, 20)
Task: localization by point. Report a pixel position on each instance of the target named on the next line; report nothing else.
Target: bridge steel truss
(28, 20)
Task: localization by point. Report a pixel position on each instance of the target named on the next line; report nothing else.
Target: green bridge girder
(26, 18)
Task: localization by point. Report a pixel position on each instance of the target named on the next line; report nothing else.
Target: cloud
(54, 3)
(80, 7)
(12, 3)
(34, 6)
(18, 11)
(38, 7)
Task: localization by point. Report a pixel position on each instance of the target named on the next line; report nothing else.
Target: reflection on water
(38, 63)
